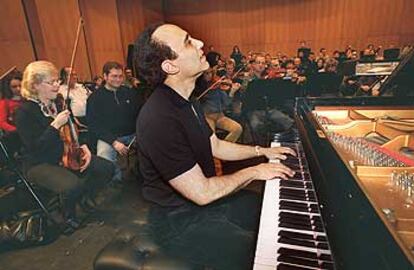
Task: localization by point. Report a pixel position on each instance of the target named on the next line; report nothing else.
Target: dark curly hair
(149, 54)
(5, 91)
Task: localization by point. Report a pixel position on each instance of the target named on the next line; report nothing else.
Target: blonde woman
(38, 124)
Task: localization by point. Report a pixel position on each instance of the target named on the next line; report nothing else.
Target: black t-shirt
(171, 140)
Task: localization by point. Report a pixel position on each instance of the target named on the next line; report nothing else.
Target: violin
(69, 133)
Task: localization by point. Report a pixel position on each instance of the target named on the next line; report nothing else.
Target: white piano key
(267, 245)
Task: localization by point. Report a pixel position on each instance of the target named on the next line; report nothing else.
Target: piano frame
(358, 234)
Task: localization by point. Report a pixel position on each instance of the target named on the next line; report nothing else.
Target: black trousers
(221, 235)
(70, 184)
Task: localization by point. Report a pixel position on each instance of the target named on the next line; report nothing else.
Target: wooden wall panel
(260, 25)
(15, 45)
(58, 22)
(279, 25)
(103, 33)
(134, 15)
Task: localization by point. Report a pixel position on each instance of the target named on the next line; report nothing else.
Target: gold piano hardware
(372, 141)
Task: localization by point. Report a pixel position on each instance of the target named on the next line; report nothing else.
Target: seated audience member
(212, 56)
(323, 53)
(111, 113)
(320, 65)
(78, 94)
(38, 124)
(195, 215)
(327, 83)
(10, 100)
(303, 50)
(236, 55)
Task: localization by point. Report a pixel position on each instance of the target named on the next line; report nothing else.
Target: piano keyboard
(291, 233)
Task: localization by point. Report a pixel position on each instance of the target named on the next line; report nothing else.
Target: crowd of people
(36, 105)
(193, 95)
(239, 77)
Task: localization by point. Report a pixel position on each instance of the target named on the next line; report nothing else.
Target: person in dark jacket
(111, 113)
(38, 124)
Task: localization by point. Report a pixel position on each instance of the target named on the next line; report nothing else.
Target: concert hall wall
(279, 25)
(109, 26)
(45, 29)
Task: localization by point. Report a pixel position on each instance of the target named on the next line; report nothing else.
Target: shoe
(88, 205)
(70, 226)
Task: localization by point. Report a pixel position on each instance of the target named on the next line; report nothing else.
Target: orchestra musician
(78, 93)
(195, 215)
(10, 100)
(39, 123)
(216, 101)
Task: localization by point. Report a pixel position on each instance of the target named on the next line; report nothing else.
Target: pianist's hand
(277, 152)
(268, 171)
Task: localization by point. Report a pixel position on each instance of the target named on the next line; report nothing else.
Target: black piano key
(295, 215)
(288, 183)
(295, 221)
(296, 197)
(297, 235)
(283, 266)
(325, 257)
(296, 184)
(293, 224)
(305, 262)
(298, 253)
(314, 208)
(296, 242)
(299, 261)
(290, 225)
(297, 206)
(327, 265)
(305, 254)
(309, 192)
(323, 246)
(299, 219)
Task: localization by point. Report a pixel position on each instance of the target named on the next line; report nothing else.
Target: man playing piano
(196, 215)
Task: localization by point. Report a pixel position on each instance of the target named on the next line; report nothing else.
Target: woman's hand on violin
(86, 157)
(61, 119)
(120, 148)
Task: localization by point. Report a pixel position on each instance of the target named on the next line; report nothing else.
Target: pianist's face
(191, 61)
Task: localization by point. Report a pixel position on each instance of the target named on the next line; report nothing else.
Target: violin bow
(72, 59)
(222, 78)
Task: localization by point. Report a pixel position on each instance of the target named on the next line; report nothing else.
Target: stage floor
(120, 206)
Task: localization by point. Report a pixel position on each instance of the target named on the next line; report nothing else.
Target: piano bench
(133, 249)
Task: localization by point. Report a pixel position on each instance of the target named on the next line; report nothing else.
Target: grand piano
(350, 204)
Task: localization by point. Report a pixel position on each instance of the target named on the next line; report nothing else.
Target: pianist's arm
(201, 190)
(232, 151)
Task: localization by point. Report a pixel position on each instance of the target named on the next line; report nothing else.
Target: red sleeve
(3, 117)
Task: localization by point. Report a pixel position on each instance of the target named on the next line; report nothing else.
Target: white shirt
(78, 96)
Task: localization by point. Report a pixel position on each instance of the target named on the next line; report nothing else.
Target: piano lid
(401, 81)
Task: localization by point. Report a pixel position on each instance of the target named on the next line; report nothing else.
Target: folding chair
(11, 164)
